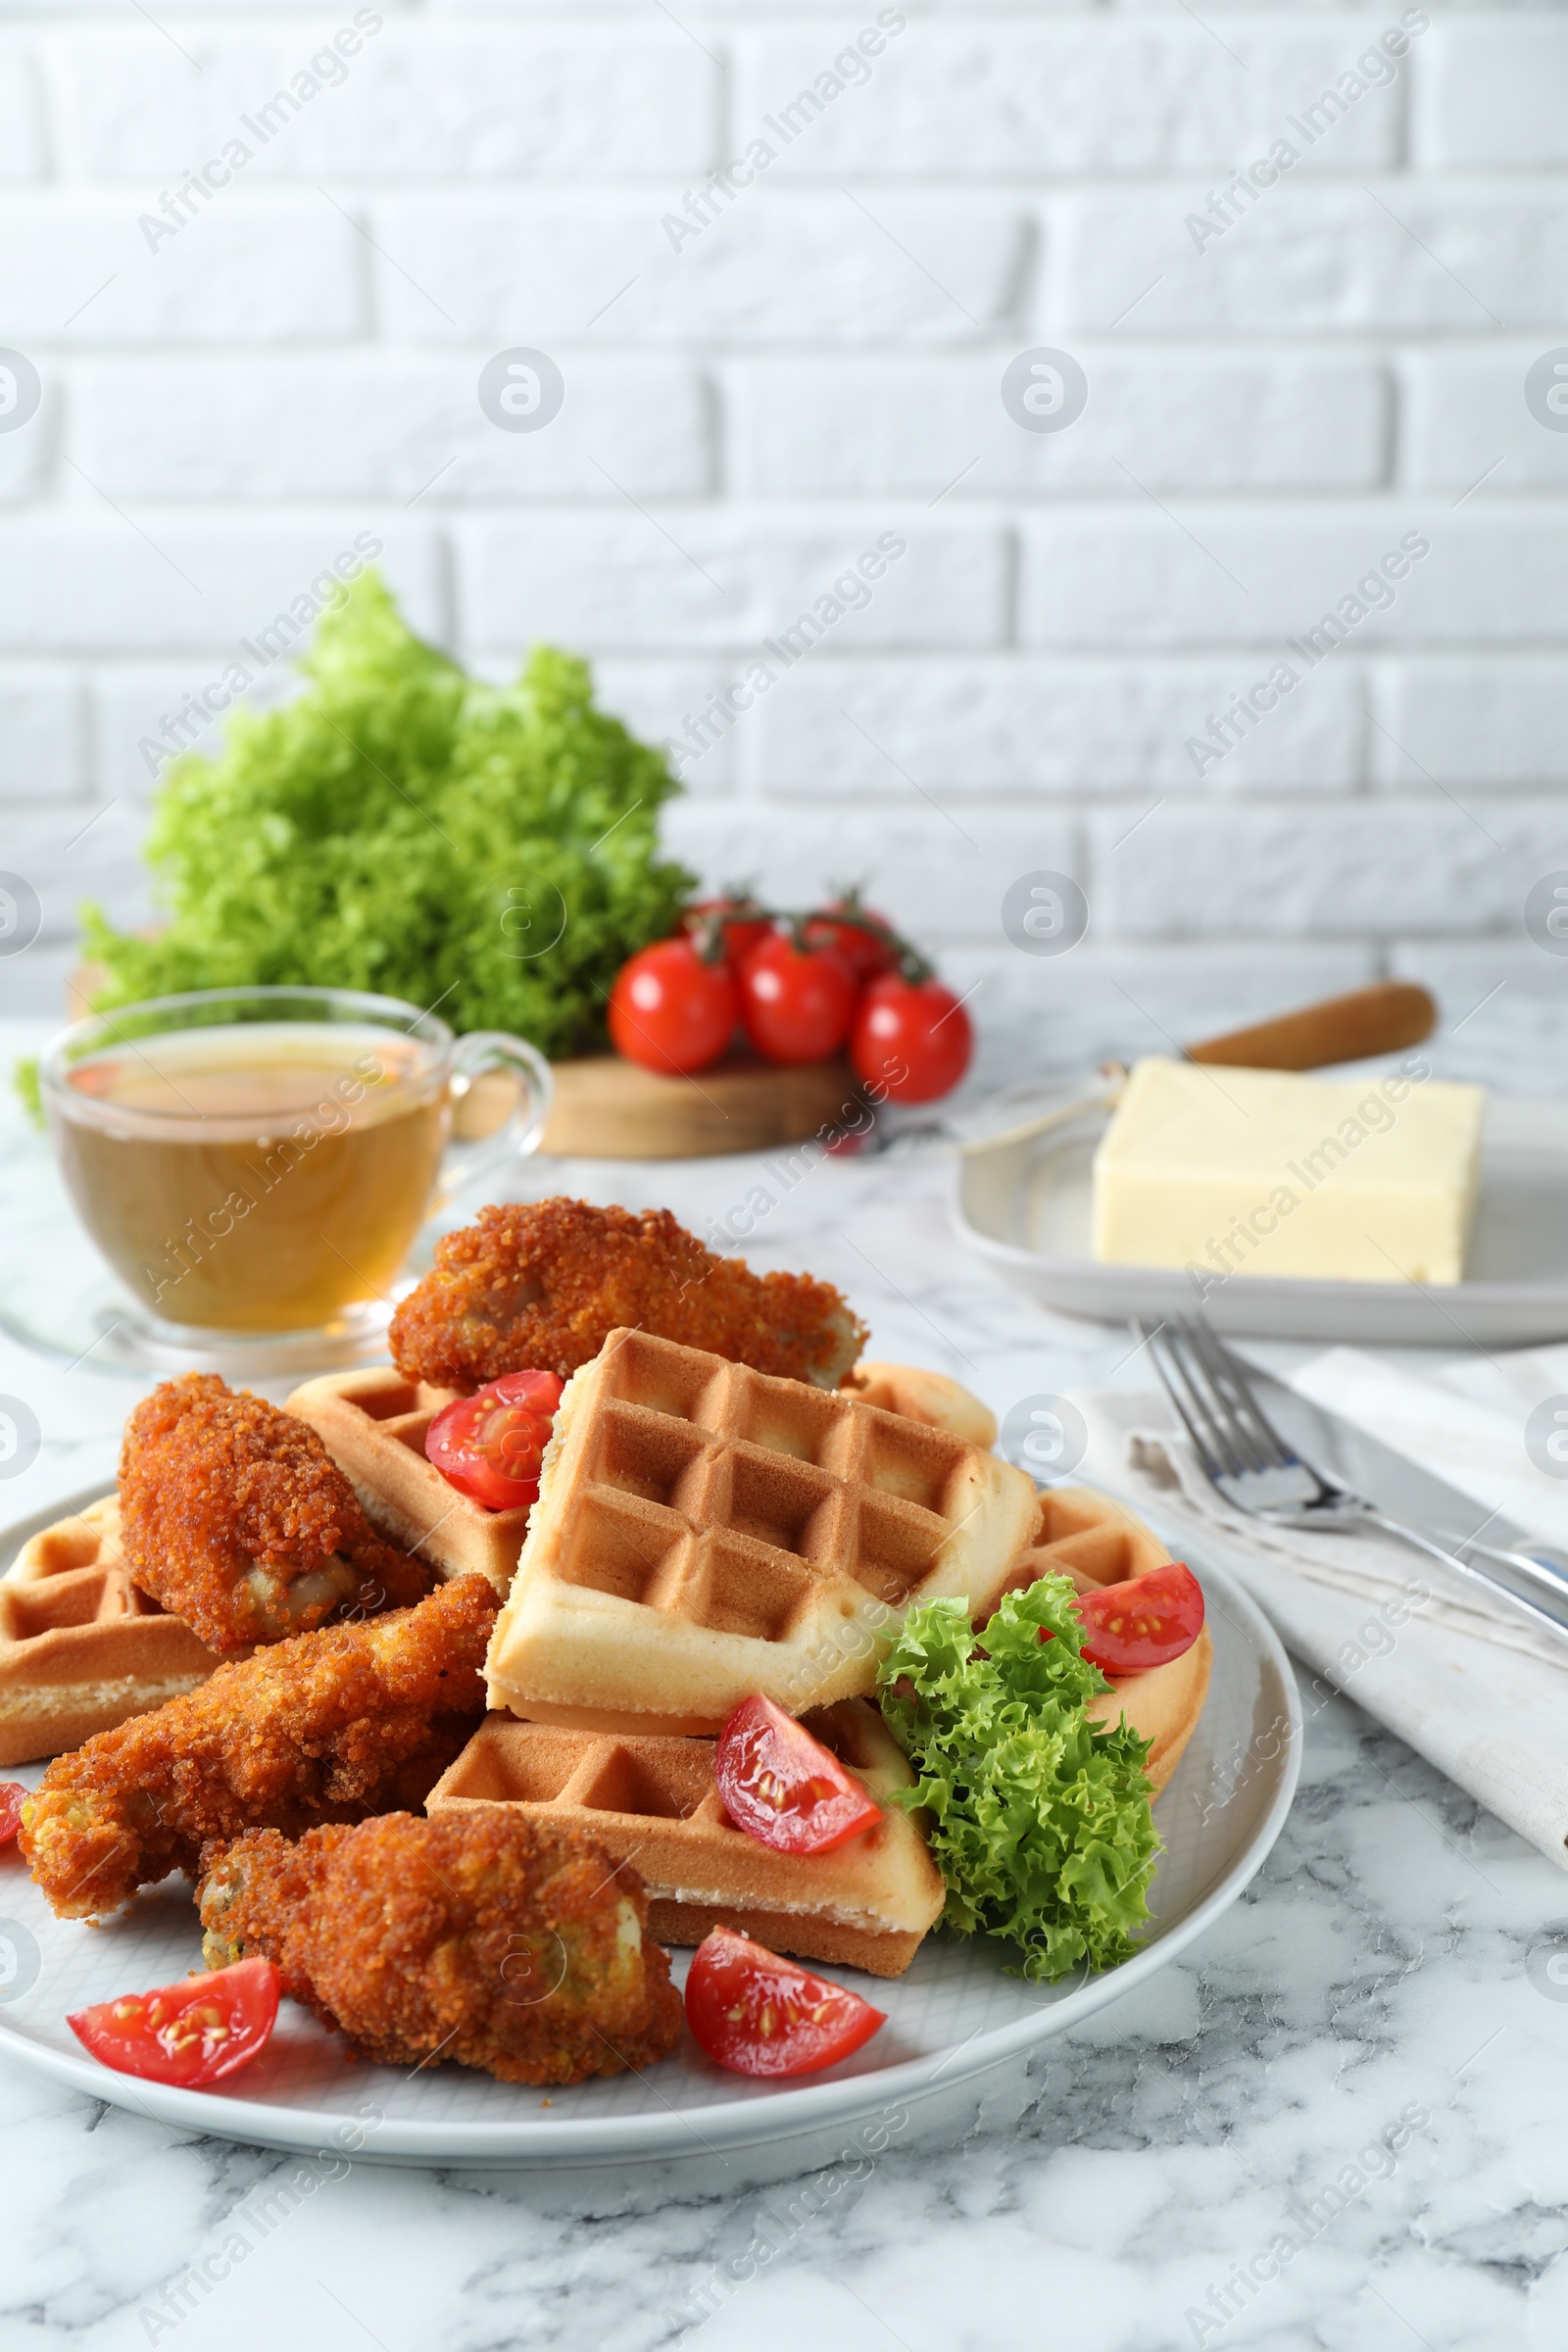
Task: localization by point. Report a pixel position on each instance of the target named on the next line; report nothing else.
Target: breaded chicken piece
(540, 1286)
(331, 1726)
(478, 1937)
(236, 1518)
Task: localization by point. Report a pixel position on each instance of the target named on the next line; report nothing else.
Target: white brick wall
(1277, 397)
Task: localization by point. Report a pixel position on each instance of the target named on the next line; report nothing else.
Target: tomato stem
(706, 935)
(708, 930)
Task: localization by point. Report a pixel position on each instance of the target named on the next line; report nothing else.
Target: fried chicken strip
(542, 1286)
(236, 1518)
(330, 1727)
(479, 1937)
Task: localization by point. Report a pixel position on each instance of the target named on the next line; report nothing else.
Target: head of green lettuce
(490, 850)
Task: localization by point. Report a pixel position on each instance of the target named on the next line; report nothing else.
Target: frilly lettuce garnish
(1039, 1819)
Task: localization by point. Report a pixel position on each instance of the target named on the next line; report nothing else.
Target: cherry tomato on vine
(760, 2015)
(671, 1011)
(796, 1004)
(866, 955)
(489, 1446)
(782, 1786)
(912, 1036)
(1145, 1621)
(191, 2034)
(743, 922)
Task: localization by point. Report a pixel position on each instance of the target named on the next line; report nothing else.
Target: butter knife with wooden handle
(1383, 1018)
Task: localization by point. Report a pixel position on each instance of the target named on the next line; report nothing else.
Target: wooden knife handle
(1379, 1019)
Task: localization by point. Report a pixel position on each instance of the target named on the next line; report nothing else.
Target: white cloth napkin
(1468, 1684)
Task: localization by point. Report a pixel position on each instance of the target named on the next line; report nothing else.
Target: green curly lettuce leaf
(1039, 1819)
(404, 827)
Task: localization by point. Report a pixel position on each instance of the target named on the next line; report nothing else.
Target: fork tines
(1211, 1391)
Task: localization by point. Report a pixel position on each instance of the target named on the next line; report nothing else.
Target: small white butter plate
(1024, 1207)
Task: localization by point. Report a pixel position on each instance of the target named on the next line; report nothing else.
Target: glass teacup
(255, 1162)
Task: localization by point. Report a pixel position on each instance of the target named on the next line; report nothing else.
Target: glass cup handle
(473, 1056)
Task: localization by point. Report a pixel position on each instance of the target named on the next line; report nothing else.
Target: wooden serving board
(607, 1108)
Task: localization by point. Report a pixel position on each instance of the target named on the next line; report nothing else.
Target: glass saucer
(60, 1299)
(124, 1339)
(93, 1321)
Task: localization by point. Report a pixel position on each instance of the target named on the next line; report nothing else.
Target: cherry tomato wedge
(1146, 1622)
(191, 2034)
(912, 1036)
(13, 1796)
(795, 1006)
(782, 1786)
(671, 1011)
(490, 1444)
(760, 2015)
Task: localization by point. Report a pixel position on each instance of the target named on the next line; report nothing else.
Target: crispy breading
(330, 1727)
(236, 1518)
(478, 1937)
(541, 1285)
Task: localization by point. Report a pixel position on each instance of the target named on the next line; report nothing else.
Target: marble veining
(1335, 2121)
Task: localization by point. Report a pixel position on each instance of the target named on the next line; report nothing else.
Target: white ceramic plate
(1025, 1208)
(954, 2014)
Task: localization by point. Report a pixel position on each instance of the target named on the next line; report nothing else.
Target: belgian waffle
(704, 1531)
(81, 1647)
(1085, 1535)
(922, 1395)
(374, 1424)
(652, 1799)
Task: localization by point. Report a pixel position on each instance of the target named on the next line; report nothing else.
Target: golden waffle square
(921, 1395)
(1095, 1540)
(81, 1647)
(650, 1799)
(704, 1531)
(374, 1424)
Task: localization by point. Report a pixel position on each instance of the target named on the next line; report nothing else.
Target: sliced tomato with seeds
(760, 2015)
(782, 1786)
(1146, 1622)
(191, 2034)
(489, 1446)
(13, 1796)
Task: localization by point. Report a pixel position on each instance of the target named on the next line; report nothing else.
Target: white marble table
(1118, 2193)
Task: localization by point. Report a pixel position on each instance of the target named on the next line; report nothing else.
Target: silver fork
(1256, 1470)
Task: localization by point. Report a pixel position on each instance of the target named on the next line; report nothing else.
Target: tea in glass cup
(259, 1160)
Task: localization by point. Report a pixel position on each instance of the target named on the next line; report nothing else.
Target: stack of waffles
(81, 1647)
(703, 1533)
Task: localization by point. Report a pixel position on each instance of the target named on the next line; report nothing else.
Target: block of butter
(1232, 1171)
